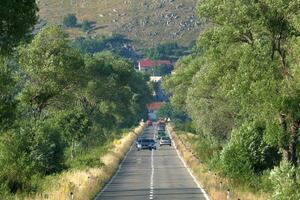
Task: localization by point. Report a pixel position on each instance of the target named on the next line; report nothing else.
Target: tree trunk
(72, 150)
(293, 143)
(285, 144)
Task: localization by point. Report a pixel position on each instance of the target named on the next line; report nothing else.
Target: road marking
(151, 194)
(189, 170)
(116, 173)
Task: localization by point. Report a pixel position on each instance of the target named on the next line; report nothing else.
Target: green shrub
(4, 192)
(206, 149)
(283, 182)
(15, 163)
(247, 154)
(86, 25)
(70, 20)
(27, 152)
(88, 158)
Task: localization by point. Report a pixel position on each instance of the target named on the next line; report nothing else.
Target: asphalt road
(157, 174)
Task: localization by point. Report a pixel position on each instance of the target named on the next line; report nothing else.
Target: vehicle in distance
(145, 143)
(161, 128)
(149, 122)
(160, 134)
(165, 140)
(138, 141)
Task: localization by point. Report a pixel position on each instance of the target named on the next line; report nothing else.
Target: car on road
(161, 128)
(165, 140)
(160, 134)
(149, 123)
(138, 141)
(146, 143)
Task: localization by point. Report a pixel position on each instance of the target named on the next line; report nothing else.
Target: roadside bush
(27, 152)
(207, 150)
(70, 20)
(4, 193)
(86, 25)
(284, 185)
(88, 158)
(247, 154)
(47, 146)
(16, 166)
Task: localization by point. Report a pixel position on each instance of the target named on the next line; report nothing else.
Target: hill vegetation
(146, 22)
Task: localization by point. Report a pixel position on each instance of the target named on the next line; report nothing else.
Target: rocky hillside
(146, 22)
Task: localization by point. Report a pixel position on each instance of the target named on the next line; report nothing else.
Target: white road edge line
(116, 173)
(189, 170)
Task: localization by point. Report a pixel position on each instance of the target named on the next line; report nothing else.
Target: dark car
(161, 128)
(137, 142)
(149, 123)
(160, 134)
(145, 143)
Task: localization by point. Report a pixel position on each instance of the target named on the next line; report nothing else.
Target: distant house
(156, 78)
(154, 106)
(147, 65)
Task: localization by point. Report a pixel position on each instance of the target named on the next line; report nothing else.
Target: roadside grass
(214, 184)
(84, 183)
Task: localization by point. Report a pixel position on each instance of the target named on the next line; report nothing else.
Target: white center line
(151, 194)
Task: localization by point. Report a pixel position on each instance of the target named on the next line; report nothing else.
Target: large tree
(115, 92)
(7, 101)
(16, 20)
(52, 71)
(247, 70)
(257, 68)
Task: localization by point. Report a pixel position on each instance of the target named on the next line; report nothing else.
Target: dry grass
(85, 184)
(115, 15)
(215, 186)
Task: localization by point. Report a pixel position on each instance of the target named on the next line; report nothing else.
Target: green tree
(53, 71)
(174, 113)
(115, 92)
(74, 126)
(283, 182)
(7, 102)
(16, 19)
(29, 151)
(179, 83)
(169, 51)
(261, 75)
(245, 69)
(247, 154)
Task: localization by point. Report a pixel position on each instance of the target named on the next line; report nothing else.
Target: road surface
(146, 175)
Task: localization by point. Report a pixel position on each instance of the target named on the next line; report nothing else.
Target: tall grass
(84, 184)
(216, 186)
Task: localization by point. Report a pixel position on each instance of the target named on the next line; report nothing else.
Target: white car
(165, 140)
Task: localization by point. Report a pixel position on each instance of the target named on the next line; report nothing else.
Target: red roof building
(163, 62)
(154, 106)
(146, 63)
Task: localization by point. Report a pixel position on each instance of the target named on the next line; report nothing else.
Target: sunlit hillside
(147, 22)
